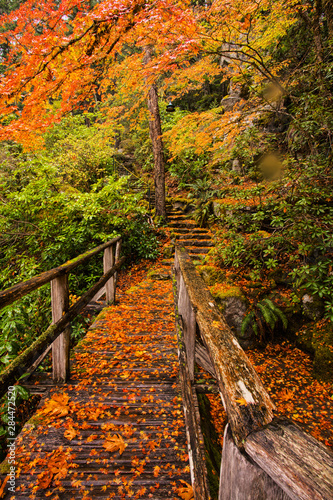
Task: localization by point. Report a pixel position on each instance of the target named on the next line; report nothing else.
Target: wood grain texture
(144, 407)
(192, 417)
(203, 359)
(20, 365)
(242, 479)
(246, 401)
(17, 291)
(110, 286)
(296, 461)
(61, 346)
(189, 325)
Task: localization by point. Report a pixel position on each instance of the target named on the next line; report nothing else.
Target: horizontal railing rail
(262, 457)
(19, 290)
(57, 335)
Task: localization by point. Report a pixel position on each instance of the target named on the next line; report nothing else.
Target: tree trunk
(316, 31)
(155, 132)
(328, 9)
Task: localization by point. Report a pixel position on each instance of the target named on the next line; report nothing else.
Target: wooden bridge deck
(117, 430)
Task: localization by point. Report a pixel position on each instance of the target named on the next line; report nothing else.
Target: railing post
(61, 346)
(187, 314)
(241, 477)
(110, 286)
(117, 257)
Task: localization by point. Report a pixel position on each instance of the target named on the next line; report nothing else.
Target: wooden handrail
(262, 457)
(21, 364)
(245, 399)
(59, 332)
(17, 291)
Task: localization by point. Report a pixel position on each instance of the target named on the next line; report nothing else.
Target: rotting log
(17, 291)
(244, 397)
(20, 364)
(297, 462)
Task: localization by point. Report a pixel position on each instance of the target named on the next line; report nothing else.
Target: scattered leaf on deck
(185, 492)
(114, 443)
(56, 406)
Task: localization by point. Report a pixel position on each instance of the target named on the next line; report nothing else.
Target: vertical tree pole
(61, 346)
(155, 132)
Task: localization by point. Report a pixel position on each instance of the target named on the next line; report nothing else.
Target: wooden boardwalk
(117, 430)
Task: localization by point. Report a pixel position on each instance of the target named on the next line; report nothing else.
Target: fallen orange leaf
(185, 492)
(114, 443)
(56, 406)
(70, 433)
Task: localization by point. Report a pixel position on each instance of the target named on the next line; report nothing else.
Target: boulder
(312, 307)
(317, 338)
(233, 306)
(211, 274)
(168, 251)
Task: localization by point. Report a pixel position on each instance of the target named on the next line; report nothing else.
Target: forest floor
(286, 372)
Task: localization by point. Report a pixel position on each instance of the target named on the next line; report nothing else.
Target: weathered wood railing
(57, 335)
(262, 457)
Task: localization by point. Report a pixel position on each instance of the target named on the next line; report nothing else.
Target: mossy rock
(222, 291)
(219, 208)
(211, 274)
(233, 306)
(184, 204)
(313, 307)
(158, 274)
(317, 338)
(169, 251)
(322, 342)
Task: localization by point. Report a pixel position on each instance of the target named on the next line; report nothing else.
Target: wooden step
(192, 236)
(197, 243)
(182, 225)
(198, 250)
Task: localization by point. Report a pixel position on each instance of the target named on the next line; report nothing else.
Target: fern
(263, 312)
(246, 321)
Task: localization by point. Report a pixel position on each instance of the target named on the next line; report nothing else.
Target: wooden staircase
(197, 241)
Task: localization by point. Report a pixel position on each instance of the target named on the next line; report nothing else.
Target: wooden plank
(296, 461)
(245, 399)
(61, 346)
(241, 478)
(117, 257)
(20, 364)
(206, 388)
(145, 409)
(189, 325)
(203, 359)
(98, 295)
(193, 431)
(110, 286)
(17, 291)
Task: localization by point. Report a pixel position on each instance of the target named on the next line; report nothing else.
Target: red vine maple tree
(60, 55)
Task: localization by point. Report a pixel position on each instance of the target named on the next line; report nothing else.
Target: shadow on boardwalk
(117, 430)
